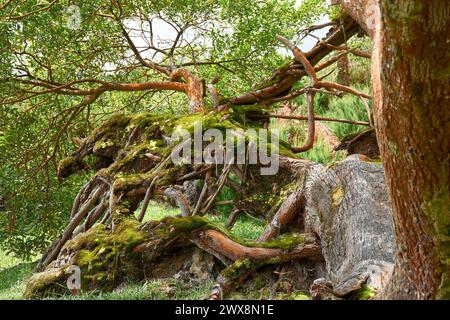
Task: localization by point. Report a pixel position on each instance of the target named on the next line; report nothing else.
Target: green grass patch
(13, 274)
(158, 289)
(246, 227)
(157, 211)
(322, 153)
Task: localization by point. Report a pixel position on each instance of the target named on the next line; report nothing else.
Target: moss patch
(365, 293)
(437, 208)
(127, 138)
(337, 195)
(104, 256)
(237, 269)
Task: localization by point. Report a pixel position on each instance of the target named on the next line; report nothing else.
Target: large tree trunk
(347, 205)
(411, 77)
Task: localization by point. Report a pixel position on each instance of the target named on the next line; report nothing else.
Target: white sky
(164, 35)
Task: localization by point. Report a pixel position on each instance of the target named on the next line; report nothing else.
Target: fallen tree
(131, 158)
(107, 241)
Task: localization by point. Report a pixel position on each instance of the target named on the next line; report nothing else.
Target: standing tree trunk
(411, 76)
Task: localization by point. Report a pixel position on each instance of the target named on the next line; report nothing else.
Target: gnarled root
(106, 257)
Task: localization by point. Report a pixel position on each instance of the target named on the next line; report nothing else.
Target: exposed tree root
(138, 169)
(119, 248)
(105, 255)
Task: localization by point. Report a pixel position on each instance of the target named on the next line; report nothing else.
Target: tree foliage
(48, 42)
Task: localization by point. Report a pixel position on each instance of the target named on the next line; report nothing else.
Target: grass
(347, 107)
(158, 289)
(322, 153)
(13, 274)
(157, 211)
(246, 227)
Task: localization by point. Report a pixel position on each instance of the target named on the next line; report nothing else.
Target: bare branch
(300, 57)
(316, 118)
(136, 52)
(311, 126)
(19, 17)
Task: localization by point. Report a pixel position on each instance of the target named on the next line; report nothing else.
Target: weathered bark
(180, 200)
(347, 205)
(108, 257)
(364, 142)
(410, 75)
(327, 136)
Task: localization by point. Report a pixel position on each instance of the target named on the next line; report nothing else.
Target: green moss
(110, 138)
(258, 282)
(283, 242)
(337, 195)
(273, 260)
(99, 244)
(294, 296)
(186, 224)
(437, 208)
(365, 293)
(114, 124)
(124, 182)
(144, 120)
(175, 226)
(99, 251)
(237, 269)
(68, 161)
(46, 283)
(171, 227)
(127, 234)
(69, 165)
(105, 143)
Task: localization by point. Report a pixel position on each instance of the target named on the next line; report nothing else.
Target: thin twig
(317, 118)
(148, 194)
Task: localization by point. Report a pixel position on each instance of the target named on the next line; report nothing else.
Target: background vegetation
(34, 205)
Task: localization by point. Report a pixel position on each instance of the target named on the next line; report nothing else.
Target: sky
(165, 34)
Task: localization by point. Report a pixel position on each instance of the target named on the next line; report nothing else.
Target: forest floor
(15, 272)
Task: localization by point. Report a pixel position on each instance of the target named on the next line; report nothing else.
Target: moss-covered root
(253, 258)
(106, 258)
(231, 277)
(101, 258)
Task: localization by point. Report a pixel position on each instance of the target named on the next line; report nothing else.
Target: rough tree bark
(347, 205)
(410, 74)
(413, 145)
